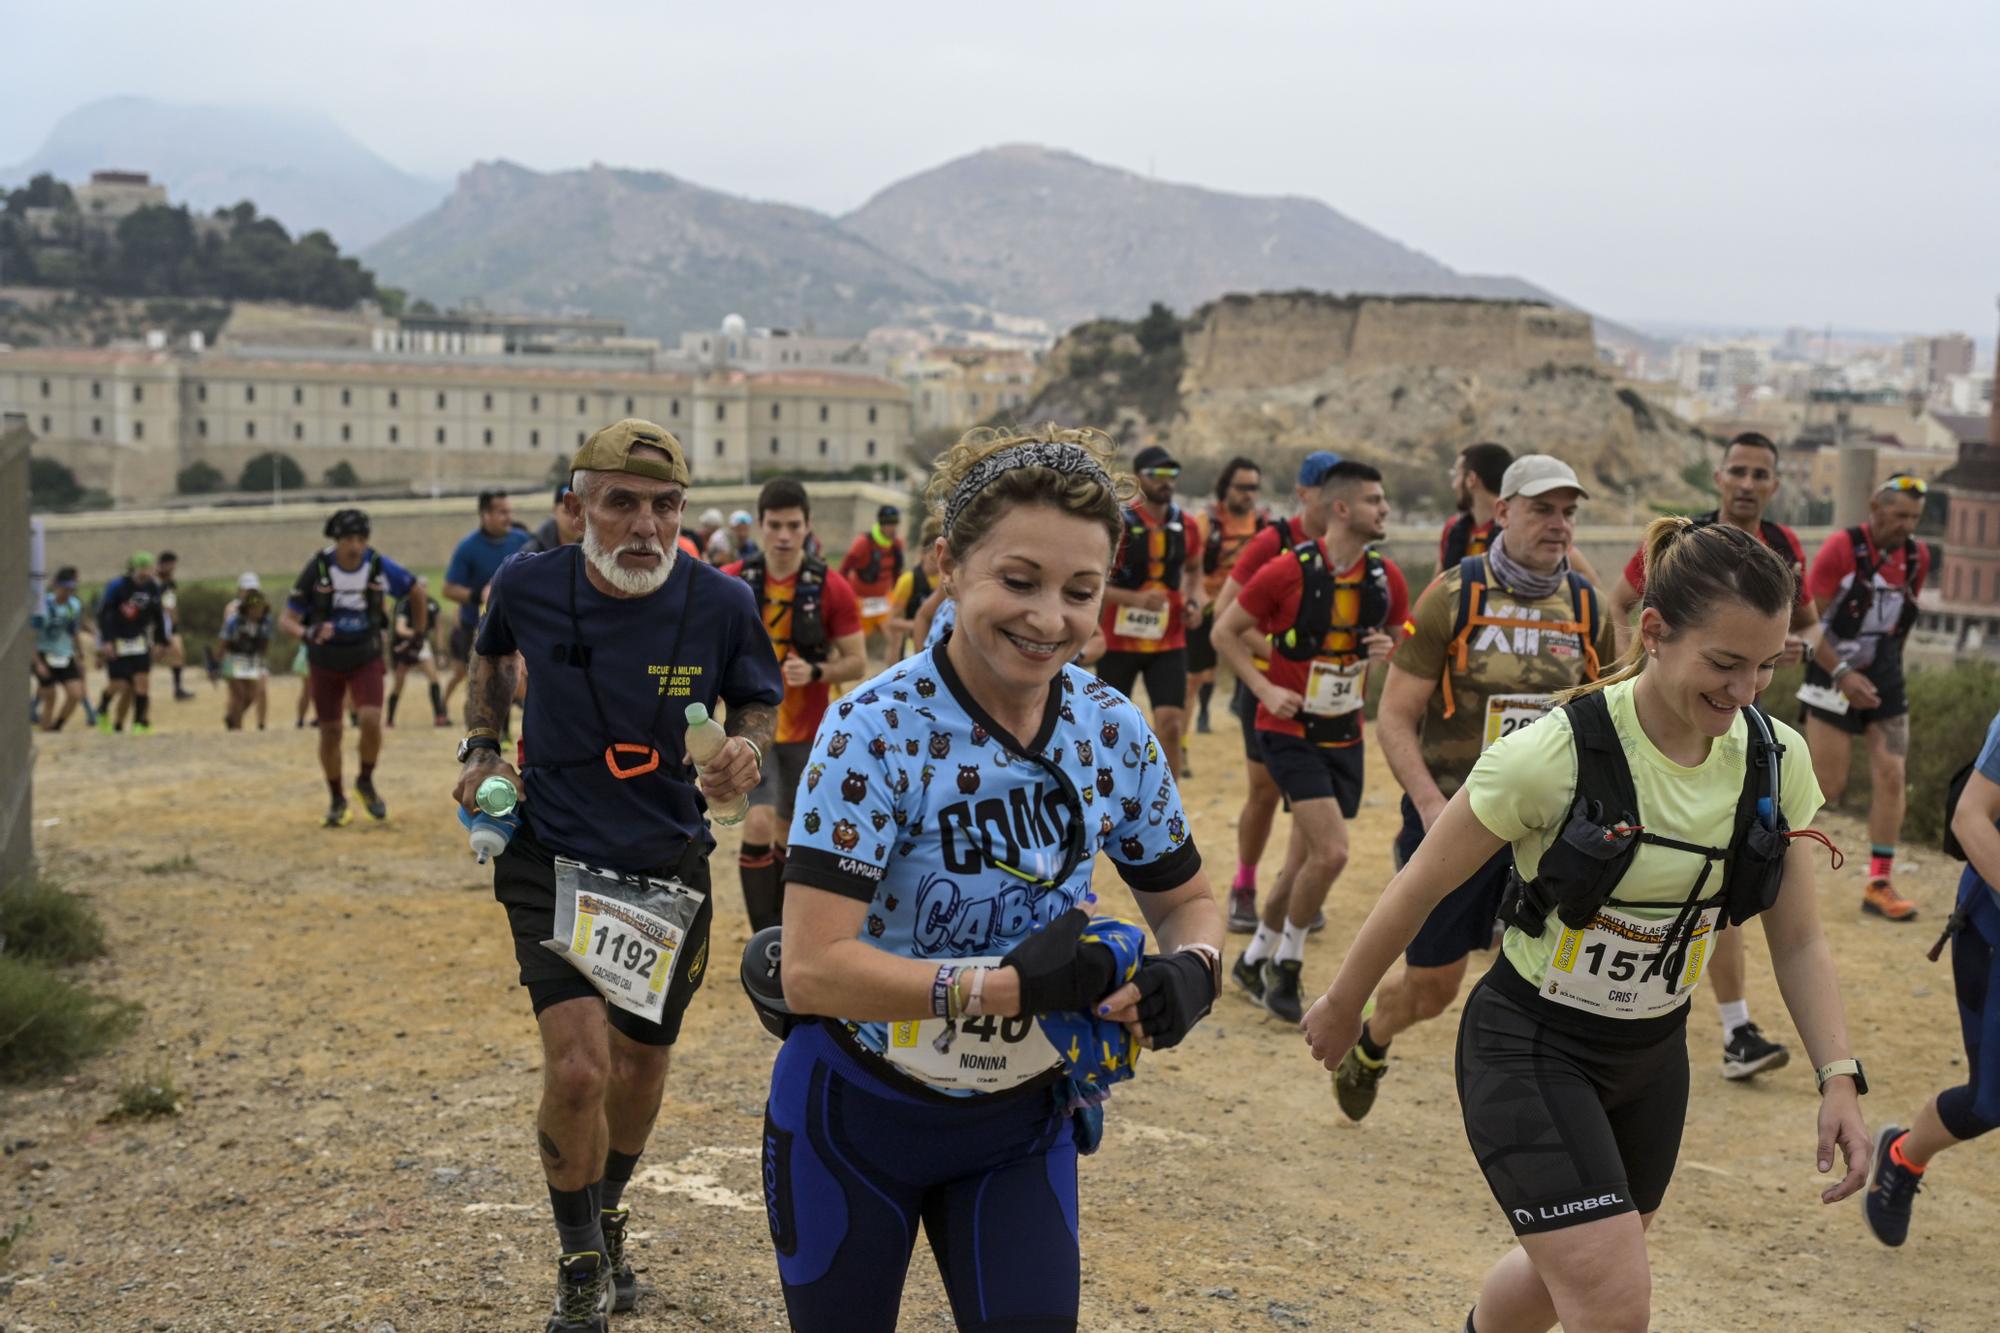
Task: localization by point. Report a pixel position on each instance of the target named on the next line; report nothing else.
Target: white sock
(1292, 948)
(1261, 944)
(1735, 1013)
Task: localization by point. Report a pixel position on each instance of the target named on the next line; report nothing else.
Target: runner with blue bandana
(937, 914)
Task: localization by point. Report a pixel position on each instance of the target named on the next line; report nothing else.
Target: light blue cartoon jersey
(941, 622)
(915, 801)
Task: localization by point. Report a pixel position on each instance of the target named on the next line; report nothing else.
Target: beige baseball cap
(1538, 474)
(610, 450)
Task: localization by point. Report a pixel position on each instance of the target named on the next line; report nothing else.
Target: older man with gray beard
(606, 881)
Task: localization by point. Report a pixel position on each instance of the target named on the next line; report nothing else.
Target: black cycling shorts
(1570, 1118)
(1308, 772)
(58, 675)
(1165, 673)
(126, 668)
(1463, 922)
(1200, 649)
(524, 882)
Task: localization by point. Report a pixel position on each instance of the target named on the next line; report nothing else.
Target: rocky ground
(359, 1074)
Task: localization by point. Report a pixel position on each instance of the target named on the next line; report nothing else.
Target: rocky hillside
(661, 253)
(1389, 399)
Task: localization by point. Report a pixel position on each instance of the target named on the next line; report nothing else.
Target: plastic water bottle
(705, 739)
(493, 827)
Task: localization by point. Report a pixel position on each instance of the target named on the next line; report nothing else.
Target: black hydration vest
(1580, 871)
(323, 591)
(1850, 613)
(1457, 541)
(1133, 560)
(808, 637)
(871, 573)
(1211, 546)
(920, 588)
(1318, 587)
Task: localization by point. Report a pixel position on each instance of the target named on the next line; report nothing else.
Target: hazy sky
(1746, 162)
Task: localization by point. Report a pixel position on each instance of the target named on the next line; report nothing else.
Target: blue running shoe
(1891, 1191)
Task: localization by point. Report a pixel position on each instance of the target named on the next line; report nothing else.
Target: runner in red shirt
(873, 564)
(814, 620)
(1153, 594)
(1331, 610)
(1865, 582)
(1260, 800)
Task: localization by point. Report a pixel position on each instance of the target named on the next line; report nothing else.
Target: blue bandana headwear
(1097, 1052)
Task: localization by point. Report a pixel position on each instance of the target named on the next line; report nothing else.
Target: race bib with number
(983, 1054)
(1136, 622)
(1611, 966)
(623, 932)
(1826, 698)
(873, 608)
(129, 647)
(1508, 713)
(1333, 689)
(56, 661)
(245, 666)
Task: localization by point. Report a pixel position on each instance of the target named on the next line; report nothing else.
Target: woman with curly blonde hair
(971, 1016)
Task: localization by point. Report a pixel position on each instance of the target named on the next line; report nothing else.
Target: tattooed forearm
(489, 692)
(756, 723)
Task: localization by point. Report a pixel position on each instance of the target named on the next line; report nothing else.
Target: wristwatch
(479, 738)
(818, 672)
(1835, 1068)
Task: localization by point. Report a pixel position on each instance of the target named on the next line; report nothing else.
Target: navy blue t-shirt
(474, 562)
(915, 798)
(698, 639)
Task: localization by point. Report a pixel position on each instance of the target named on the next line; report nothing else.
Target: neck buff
(1519, 580)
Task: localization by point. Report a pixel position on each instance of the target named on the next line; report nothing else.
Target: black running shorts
(1244, 705)
(1571, 1118)
(524, 882)
(1463, 922)
(1308, 772)
(1165, 674)
(126, 668)
(1200, 649)
(778, 785)
(1887, 678)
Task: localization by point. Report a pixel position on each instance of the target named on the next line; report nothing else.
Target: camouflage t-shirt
(1508, 668)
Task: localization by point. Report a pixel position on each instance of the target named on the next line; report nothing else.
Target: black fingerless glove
(1058, 971)
(1175, 993)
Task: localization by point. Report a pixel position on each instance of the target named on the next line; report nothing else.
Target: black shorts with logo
(524, 882)
(1165, 674)
(1572, 1116)
(1308, 772)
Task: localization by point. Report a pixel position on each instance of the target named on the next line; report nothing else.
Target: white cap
(711, 518)
(246, 581)
(1538, 474)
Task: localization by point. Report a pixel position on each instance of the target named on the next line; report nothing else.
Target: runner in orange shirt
(873, 564)
(1232, 521)
(815, 622)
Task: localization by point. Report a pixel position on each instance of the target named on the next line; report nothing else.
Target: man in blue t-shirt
(339, 607)
(58, 664)
(623, 634)
(474, 561)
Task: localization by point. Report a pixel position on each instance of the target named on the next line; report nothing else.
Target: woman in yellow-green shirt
(1572, 1060)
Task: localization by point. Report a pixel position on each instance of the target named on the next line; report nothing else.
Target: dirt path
(361, 1071)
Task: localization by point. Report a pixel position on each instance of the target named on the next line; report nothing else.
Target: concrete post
(1855, 485)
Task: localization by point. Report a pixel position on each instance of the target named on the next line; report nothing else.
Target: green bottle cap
(697, 714)
(496, 796)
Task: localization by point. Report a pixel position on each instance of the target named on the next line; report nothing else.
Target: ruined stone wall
(1256, 342)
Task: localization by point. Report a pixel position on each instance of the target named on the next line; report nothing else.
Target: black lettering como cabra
(1001, 828)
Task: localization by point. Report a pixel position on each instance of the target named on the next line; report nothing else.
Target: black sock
(1207, 691)
(395, 697)
(758, 868)
(142, 708)
(366, 777)
(339, 792)
(577, 1222)
(1369, 1048)
(437, 700)
(177, 680)
(617, 1174)
(104, 700)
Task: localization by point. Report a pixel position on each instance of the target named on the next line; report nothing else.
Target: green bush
(1950, 711)
(49, 1026)
(258, 472)
(199, 479)
(152, 1095)
(42, 921)
(341, 474)
(52, 485)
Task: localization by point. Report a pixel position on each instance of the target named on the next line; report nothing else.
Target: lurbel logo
(1524, 1217)
(1550, 1212)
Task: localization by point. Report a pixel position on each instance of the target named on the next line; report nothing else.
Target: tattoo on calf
(1896, 735)
(549, 1149)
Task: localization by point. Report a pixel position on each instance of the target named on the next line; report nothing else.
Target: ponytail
(1691, 568)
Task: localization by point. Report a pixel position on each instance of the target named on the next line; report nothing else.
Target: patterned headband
(1068, 459)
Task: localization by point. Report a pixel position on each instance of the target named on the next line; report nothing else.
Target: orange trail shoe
(1881, 899)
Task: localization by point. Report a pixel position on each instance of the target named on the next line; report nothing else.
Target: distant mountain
(1036, 230)
(295, 165)
(663, 254)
